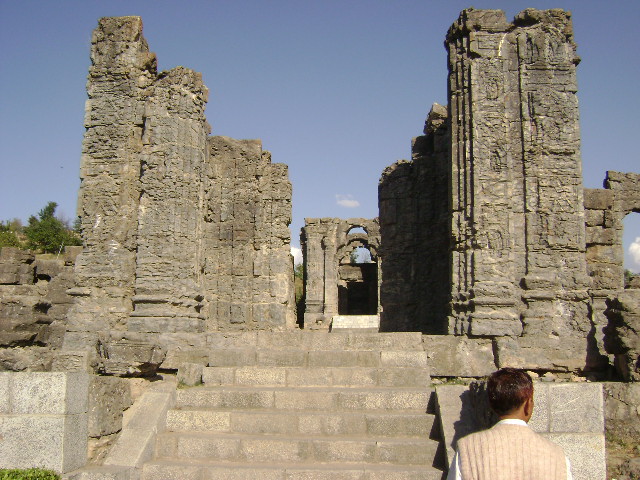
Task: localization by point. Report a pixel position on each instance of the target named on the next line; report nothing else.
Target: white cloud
(347, 201)
(634, 251)
(297, 255)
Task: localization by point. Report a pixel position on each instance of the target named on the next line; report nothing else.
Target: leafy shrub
(49, 234)
(28, 474)
(9, 235)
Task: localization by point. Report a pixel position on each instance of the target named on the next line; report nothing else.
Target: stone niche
(336, 280)
(183, 233)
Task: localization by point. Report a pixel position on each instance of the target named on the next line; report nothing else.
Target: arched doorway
(358, 280)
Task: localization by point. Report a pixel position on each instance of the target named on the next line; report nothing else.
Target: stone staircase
(304, 406)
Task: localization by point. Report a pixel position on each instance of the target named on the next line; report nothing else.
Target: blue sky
(335, 89)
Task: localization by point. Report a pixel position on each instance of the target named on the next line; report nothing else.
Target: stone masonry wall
(247, 264)
(497, 190)
(518, 223)
(168, 276)
(121, 77)
(33, 307)
(160, 202)
(414, 230)
(616, 310)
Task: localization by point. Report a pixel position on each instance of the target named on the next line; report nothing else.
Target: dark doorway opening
(358, 291)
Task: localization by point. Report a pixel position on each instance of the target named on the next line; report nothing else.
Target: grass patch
(28, 474)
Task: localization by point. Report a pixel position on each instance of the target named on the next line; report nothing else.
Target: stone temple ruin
(487, 252)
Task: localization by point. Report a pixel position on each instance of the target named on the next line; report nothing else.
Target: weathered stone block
(48, 269)
(598, 199)
(282, 358)
(109, 397)
(586, 452)
(495, 327)
(594, 218)
(531, 353)
(601, 236)
(576, 408)
(190, 374)
(25, 445)
(232, 357)
(456, 356)
(130, 355)
(604, 254)
(605, 276)
(403, 359)
(260, 376)
(55, 393)
(218, 375)
(186, 354)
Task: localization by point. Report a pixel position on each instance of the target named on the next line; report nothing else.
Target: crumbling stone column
(518, 222)
(183, 233)
(120, 79)
(168, 277)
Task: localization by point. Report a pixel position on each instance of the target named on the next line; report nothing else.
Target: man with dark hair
(509, 450)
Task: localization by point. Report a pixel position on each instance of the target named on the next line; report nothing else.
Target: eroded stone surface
(183, 232)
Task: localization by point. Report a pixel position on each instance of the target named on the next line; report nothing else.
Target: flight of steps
(304, 406)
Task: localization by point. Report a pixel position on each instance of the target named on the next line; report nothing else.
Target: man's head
(509, 389)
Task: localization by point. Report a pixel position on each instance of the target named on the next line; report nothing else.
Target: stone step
(385, 424)
(265, 449)
(166, 469)
(295, 356)
(318, 376)
(327, 399)
(314, 340)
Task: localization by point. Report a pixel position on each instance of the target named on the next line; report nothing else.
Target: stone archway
(334, 285)
(357, 281)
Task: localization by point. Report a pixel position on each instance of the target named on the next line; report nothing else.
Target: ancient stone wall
(183, 233)
(33, 307)
(414, 232)
(248, 267)
(168, 264)
(616, 310)
(518, 222)
(605, 210)
(330, 282)
(503, 196)
(121, 76)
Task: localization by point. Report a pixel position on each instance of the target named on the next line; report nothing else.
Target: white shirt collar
(512, 421)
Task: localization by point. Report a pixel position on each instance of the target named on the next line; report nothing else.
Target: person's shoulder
(473, 436)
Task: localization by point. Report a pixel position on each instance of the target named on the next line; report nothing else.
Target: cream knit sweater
(510, 452)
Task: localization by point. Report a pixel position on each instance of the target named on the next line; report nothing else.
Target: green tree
(9, 234)
(47, 233)
(298, 271)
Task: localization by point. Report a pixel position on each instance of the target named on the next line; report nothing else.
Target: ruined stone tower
(518, 258)
(183, 232)
(492, 203)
